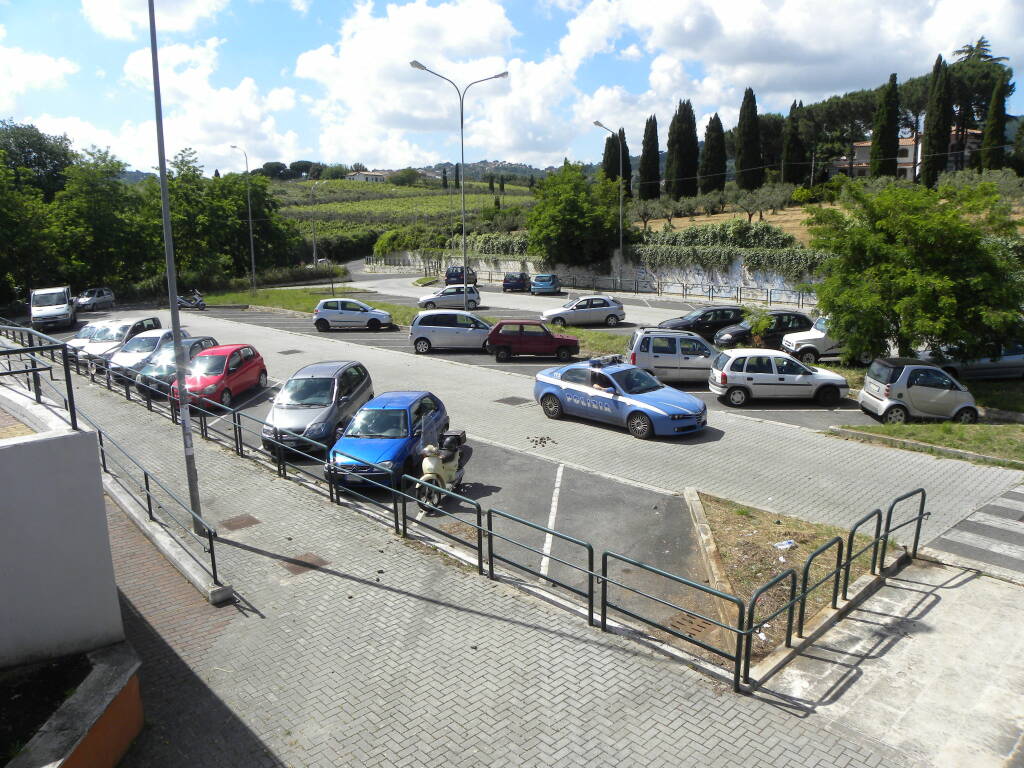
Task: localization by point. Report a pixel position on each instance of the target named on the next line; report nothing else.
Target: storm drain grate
(238, 521)
(303, 563)
(289, 352)
(513, 400)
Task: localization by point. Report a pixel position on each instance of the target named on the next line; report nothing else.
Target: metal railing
(391, 490)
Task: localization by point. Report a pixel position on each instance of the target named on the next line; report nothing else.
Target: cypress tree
(650, 174)
(994, 137)
(794, 154)
(216, 173)
(627, 165)
(501, 184)
(749, 170)
(490, 183)
(712, 160)
(937, 123)
(531, 182)
(689, 153)
(672, 151)
(610, 159)
(885, 134)
(444, 178)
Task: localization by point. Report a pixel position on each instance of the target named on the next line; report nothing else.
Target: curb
(916, 445)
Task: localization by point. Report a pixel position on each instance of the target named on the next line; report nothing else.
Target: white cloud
(24, 71)
(124, 19)
(302, 6)
(631, 53)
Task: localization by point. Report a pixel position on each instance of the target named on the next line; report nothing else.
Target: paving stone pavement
(391, 655)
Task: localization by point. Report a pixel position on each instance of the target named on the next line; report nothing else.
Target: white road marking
(548, 538)
(271, 383)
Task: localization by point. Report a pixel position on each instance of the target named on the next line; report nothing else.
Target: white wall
(57, 577)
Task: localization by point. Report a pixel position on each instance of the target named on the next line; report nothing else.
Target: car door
(694, 360)
(467, 335)
(599, 309)
(575, 382)
(1011, 364)
(330, 311)
(442, 329)
(248, 372)
(759, 375)
(933, 393)
(664, 358)
(604, 401)
(794, 380)
(536, 340)
(359, 386)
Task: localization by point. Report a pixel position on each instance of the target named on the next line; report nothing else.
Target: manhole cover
(238, 521)
(689, 625)
(302, 563)
(289, 352)
(513, 400)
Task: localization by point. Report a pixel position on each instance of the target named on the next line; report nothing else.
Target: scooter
(443, 468)
(195, 301)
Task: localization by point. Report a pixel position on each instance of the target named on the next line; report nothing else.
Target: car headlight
(386, 464)
(209, 390)
(317, 430)
(726, 337)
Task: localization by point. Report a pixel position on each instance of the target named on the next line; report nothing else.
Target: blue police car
(607, 389)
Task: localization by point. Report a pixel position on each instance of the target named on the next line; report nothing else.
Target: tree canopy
(650, 173)
(712, 159)
(885, 134)
(574, 221)
(749, 161)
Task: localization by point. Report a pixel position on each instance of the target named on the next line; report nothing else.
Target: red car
(218, 374)
(529, 337)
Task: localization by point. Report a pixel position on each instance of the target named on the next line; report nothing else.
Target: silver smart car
(898, 388)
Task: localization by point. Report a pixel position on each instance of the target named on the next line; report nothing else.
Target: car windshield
(692, 315)
(208, 365)
(744, 324)
(48, 299)
(306, 393)
(87, 332)
(89, 294)
(165, 356)
(160, 367)
(569, 304)
(111, 333)
(141, 344)
(378, 422)
(634, 381)
(820, 324)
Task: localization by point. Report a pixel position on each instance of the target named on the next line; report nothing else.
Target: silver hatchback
(671, 355)
(454, 296)
(314, 406)
(587, 310)
(899, 388)
(447, 329)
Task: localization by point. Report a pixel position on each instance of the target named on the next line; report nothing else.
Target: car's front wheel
(430, 305)
(262, 384)
(737, 397)
(828, 396)
(611, 321)
(552, 406)
(966, 416)
(896, 415)
(559, 321)
(640, 426)
(225, 398)
(373, 324)
(322, 325)
(808, 357)
(422, 346)
(564, 354)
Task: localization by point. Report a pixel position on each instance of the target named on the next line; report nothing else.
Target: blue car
(545, 284)
(607, 389)
(387, 431)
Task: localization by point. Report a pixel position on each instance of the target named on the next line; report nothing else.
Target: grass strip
(1002, 441)
(298, 299)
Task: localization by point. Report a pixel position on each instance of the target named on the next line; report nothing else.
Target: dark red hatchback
(509, 338)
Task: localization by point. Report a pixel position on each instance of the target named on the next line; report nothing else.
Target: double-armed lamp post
(462, 164)
(618, 136)
(248, 202)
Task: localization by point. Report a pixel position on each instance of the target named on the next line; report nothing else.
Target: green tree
(359, 167)
(274, 170)
(994, 137)
(682, 153)
(27, 247)
(610, 158)
(444, 178)
(771, 127)
(794, 156)
(650, 173)
(627, 163)
(336, 171)
(406, 177)
(712, 159)
(938, 119)
(490, 183)
(300, 168)
(749, 162)
(574, 221)
(913, 98)
(501, 185)
(35, 157)
(885, 134)
(897, 277)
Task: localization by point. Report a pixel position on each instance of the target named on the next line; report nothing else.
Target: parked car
(53, 307)
(95, 299)
(706, 321)
(511, 338)
(349, 313)
(219, 374)
(783, 321)
(454, 296)
(545, 284)
(449, 329)
(1000, 360)
(515, 281)
(316, 402)
(737, 375)
(140, 349)
(85, 334)
(113, 334)
(389, 431)
(587, 310)
(671, 355)
(610, 390)
(810, 346)
(454, 276)
(157, 375)
(899, 388)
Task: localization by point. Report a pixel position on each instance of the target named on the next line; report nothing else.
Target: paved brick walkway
(390, 655)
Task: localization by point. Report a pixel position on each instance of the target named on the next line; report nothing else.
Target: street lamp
(248, 202)
(191, 476)
(599, 124)
(462, 165)
(330, 267)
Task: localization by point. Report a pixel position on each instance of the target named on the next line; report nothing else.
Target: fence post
(149, 498)
(604, 592)
(73, 415)
(213, 555)
(490, 544)
(103, 453)
(35, 385)
(397, 483)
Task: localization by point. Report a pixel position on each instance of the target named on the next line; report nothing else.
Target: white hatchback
(349, 313)
(737, 375)
(454, 297)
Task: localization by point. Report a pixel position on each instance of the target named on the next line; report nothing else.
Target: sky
(330, 80)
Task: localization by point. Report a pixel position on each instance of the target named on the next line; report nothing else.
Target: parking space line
(548, 538)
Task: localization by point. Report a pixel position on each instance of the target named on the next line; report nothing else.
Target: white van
(53, 307)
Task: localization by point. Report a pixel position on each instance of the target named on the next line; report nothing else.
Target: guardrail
(391, 491)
